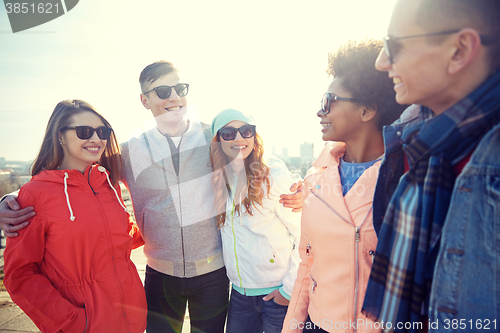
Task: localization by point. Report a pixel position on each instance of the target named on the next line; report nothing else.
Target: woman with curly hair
(338, 239)
(259, 236)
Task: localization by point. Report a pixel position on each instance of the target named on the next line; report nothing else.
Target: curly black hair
(354, 64)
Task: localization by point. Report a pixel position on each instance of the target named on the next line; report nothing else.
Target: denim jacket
(392, 167)
(465, 293)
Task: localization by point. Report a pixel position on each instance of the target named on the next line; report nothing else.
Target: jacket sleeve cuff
(284, 294)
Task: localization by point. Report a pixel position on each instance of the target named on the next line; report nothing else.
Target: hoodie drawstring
(72, 217)
(103, 169)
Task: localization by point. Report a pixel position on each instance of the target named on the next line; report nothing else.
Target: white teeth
(238, 147)
(92, 149)
(396, 80)
(174, 108)
(325, 125)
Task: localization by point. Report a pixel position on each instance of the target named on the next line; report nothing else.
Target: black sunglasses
(86, 132)
(229, 133)
(391, 46)
(328, 98)
(164, 92)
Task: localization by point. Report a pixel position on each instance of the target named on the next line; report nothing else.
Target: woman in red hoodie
(70, 271)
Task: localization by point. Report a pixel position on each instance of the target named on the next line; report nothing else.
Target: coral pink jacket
(337, 244)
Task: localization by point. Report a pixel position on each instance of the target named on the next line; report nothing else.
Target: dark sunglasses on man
(164, 92)
(391, 45)
(328, 98)
(229, 133)
(86, 132)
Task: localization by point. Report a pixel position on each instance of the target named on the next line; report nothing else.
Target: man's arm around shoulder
(12, 217)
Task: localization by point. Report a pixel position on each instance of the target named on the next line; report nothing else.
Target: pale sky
(267, 58)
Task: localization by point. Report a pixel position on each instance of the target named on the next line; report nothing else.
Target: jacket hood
(75, 177)
(93, 176)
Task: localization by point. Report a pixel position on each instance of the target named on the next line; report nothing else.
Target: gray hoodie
(175, 213)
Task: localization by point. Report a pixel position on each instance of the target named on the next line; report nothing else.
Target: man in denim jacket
(437, 201)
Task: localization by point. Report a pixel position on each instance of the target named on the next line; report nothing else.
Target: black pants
(206, 296)
(309, 327)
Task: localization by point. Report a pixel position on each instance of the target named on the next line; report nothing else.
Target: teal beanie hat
(227, 116)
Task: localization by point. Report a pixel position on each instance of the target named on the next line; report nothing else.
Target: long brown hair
(51, 153)
(257, 174)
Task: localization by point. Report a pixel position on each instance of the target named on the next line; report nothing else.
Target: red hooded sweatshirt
(70, 269)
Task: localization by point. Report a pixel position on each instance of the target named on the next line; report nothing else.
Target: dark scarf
(408, 243)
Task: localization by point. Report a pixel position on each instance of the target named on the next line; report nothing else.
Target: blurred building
(284, 153)
(307, 152)
(13, 174)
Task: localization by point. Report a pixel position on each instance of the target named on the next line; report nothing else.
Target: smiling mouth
(238, 147)
(396, 80)
(173, 108)
(92, 149)
(326, 125)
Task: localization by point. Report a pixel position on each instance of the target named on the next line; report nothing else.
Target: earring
(60, 142)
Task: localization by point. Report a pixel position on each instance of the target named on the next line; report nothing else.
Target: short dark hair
(354, 64)
(481, 15)
(155, 71)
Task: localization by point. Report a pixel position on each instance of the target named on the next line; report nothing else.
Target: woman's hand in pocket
(278, 298)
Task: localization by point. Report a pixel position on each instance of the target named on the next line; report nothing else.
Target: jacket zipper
(357, 238)
(106, 227)
(315, 284)
(356, 230)
(180, 208)
(182, 233)
(88, 180)
(180, 213)
(235, 254)
(178, 186)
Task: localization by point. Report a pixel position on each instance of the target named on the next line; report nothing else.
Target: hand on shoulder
(12, 217)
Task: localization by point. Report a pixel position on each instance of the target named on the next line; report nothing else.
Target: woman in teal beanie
(259, 236)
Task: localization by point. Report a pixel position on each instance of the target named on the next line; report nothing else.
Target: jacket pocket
(279, 305)
(314, 285)
(278, 255)
(88, 316)
(261, 255)
(372, 255)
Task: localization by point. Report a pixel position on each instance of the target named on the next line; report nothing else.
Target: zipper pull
(357, 234)
(313, 287)
(308, 248)
(372, 253)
